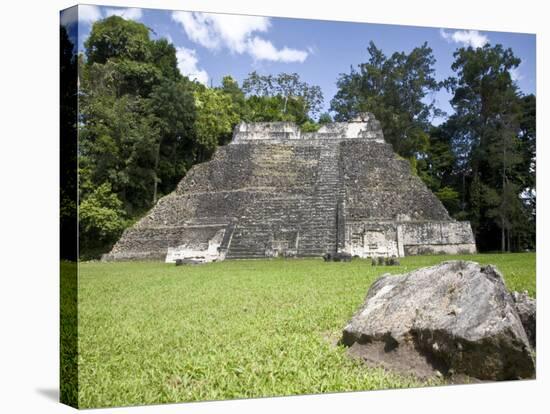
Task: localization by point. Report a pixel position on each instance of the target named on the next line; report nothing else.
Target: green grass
(156, 333)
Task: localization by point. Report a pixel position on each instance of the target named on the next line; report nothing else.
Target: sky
(210, 46)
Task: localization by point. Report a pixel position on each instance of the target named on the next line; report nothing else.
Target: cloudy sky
(210, 46)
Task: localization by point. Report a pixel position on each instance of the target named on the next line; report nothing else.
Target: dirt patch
(405, 359)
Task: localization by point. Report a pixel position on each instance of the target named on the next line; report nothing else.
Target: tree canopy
(395, 90)
(493, 133)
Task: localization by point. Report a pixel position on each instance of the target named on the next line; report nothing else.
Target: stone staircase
(314, 217)
(320, 232)
(265, 217)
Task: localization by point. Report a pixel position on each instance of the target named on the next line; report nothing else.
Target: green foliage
(394, 89)
(163, 54)
(449, 197)
(135, 78)
(268, 109)
(101, 218)
(115, 37)
(493, 133)
(173, 104)
(310, 126)
(325, 118)
(156, 333)
(117, 145)
(137, 120)
(216, 118)
(238, 100)
(291, 98)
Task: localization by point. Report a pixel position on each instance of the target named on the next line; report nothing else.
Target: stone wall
(364, 126)
(451, 237)
(406, 238)
(275, 191)
(371, 239)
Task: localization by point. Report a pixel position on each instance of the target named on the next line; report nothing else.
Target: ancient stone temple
(276, 191)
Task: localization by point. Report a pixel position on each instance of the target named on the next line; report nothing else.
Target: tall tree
(437, 168)
(137, 121)
(216, 117)
(115, 37)
(173, 105)
(487, 122)
(231, 87)
(397, 90)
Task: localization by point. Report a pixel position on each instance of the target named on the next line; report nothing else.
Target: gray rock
(527, 311)
(457, 318)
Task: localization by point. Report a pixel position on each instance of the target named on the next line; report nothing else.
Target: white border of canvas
(29, 289)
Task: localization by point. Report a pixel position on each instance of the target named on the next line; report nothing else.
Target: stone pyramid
(276, 191)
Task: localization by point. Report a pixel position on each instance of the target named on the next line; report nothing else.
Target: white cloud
(88, 14)
(236, 33)
(129, 14)
(188, 65)
(216, 30)
(261, 49)
(69, 16)
(197, 28)
(465, 37)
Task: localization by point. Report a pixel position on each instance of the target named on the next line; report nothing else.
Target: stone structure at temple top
(277, 191)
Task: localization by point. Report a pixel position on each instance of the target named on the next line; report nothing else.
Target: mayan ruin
(277, 191)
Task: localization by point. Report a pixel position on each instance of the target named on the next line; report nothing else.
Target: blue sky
(210, 46)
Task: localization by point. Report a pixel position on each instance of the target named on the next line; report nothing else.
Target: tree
(101, 219)
(216, 118)
(137, 114)
(163, 55)
(437, 168)
(173, 105)
(325, 118)
(115, 37)
(117, 145)
(231, 88)
(295, 97)
(395, 90)
(488, 138)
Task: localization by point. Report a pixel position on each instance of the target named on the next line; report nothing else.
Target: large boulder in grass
(453, 318)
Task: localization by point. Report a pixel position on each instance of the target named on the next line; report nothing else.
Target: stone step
(315, 217)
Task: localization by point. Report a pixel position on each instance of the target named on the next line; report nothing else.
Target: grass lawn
(157, 333)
